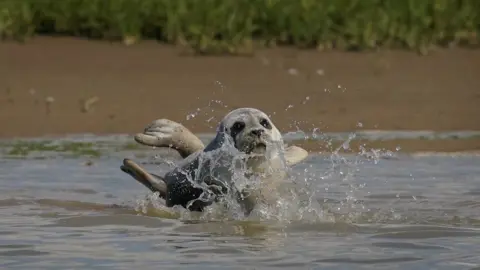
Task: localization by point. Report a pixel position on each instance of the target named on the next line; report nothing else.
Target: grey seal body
(246, 141)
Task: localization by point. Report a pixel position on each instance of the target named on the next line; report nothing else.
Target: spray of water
(298, 195)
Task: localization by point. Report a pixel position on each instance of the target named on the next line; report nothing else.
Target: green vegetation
(131, 146)
(42, 149)
(233, 26)
(23, 148)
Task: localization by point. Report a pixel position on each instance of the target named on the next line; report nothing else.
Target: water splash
(309, 200)
(276, 193)
(208, 112)
(299, 203)
(222, 86)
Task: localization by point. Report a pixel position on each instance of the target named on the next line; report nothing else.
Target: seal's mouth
(261, 145)
(258, 148)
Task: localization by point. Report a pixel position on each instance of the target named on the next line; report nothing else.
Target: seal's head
(251, 130)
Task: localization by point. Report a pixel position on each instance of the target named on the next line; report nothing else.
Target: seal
(246, 141)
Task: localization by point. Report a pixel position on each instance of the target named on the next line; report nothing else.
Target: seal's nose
(257, 132)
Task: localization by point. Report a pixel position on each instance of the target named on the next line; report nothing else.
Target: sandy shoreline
(46, 86)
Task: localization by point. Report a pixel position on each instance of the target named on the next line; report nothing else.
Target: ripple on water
(408, 213)
(117, 220)
(386, 261)
(428, 232)
(408, 246)
(22, 252)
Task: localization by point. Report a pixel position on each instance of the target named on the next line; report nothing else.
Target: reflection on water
(408, 212)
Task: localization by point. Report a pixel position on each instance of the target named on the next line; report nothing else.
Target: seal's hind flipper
(295, 154)
(153, 182)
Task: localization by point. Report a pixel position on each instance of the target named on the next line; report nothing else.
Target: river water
(376, 211)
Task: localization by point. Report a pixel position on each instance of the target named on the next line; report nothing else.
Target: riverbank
(54, 86)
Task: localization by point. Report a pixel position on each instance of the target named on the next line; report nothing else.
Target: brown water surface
(370, 210)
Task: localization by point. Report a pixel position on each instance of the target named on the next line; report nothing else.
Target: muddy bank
(53, 86)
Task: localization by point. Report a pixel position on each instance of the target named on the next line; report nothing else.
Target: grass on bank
(232, 26)
(24, 148)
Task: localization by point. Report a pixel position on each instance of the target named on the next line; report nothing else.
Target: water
(62, 211)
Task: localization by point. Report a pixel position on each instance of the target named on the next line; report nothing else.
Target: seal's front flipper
(295, 154)
(167, 133)
(153, 182)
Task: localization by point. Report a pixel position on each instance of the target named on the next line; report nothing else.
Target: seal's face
(252, 130)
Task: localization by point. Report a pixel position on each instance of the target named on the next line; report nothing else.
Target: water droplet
(222, 87)
(292, 71)
(306, 100)
(398, 148)
(359, 124)
(320, 72)
(289, 107)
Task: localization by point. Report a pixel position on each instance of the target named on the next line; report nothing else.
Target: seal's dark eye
(264, 122)
(237, 127)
